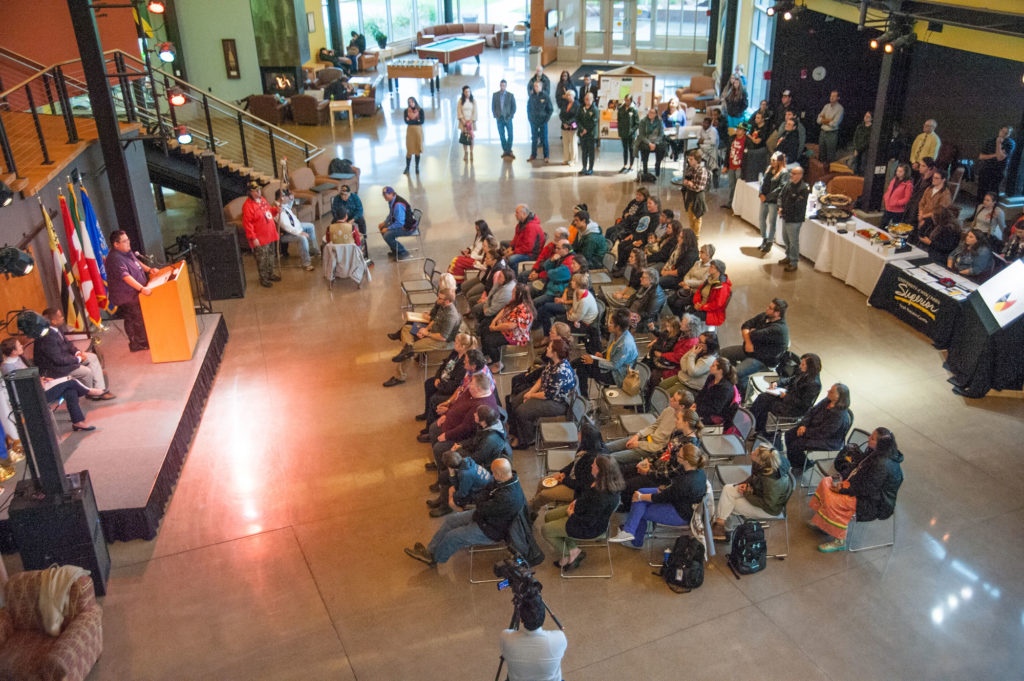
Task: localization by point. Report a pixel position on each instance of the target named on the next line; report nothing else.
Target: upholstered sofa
(491, 33)
(28, 653)
(700, 86)
(268, 108)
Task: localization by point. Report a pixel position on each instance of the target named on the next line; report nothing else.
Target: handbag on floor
(683, 569)
(631, 383)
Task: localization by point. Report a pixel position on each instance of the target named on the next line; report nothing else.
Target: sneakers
(419, 552)
(790, 268)
(622, 537)
(393, 381)
(832, 546)
(784, 261)
(430, 466)
(423, 437)
(440, 511)
(434, 487)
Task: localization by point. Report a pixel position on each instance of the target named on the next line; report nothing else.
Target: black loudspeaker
(221, 263)
(63, 529)
(45, 460)
(210, 184)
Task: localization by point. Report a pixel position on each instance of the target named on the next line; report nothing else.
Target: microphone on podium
(148, 259)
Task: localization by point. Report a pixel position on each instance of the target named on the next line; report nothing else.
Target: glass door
(608, 30)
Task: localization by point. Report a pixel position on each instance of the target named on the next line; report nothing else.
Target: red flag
(65, 281)
(79, 268)
(88, 252)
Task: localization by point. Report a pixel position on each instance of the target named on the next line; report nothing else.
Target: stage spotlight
(783, 7)
(883, 39)
(175, 96)
(183, 135)
(156, 7)
(888, 48)
(6, 195)
(904, 41)
(165, 51)
(787, 15)
(15, 262)
(33, 324)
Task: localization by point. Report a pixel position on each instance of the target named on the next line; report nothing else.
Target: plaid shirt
(699, 176)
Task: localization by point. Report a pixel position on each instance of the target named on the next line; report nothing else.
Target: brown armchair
(849, 185)
(268, 108)
(308, 110)
(325, 77)
(27, 652)
(699, 86)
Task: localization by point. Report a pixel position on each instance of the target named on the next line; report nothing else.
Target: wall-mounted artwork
(231, 58)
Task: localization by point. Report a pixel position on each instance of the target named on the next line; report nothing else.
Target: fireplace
(281, 80)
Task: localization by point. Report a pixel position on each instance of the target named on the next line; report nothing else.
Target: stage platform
(141, 439)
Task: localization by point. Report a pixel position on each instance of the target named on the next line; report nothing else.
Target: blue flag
(92, 228)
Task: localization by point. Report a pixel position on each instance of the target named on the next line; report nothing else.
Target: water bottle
(664, 559)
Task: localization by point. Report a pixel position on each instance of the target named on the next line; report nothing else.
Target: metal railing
(225, 128)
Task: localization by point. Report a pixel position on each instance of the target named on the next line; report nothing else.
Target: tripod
(514, 626)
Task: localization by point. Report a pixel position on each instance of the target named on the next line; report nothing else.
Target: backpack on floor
(683, 570)
(749, 552)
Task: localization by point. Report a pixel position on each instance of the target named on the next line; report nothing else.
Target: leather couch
(491, 33)
(308, 110)
(268, 108)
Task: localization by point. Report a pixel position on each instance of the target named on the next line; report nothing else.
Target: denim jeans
(791, 237)
(828, 143)
(306, 241)
(505, 134)
(642, 511)
(391, 235)
(458, 531)
(516, 258)
(547, 313)
(539, 135)
(745, 366)
(734, 179)
(769, 220)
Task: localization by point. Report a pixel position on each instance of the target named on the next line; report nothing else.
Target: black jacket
(494, 513)
(801, 392)
(450, 378)
(793, 201)
(538, 107)
(591, 514)
(686, 489)
(714, 399)
(876, 483)
(486, 445)
(770, 339)
(647, 303)
(577, 472)
(567, 115)
(826, 428)
(55, 355)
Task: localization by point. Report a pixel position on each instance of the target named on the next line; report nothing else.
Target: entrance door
(609, 30)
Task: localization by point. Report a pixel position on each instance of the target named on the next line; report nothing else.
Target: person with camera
(489, 522)
(533, 653)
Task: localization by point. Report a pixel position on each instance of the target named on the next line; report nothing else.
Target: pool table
(452, 50)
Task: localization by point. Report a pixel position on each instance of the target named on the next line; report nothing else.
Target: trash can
(534, 58)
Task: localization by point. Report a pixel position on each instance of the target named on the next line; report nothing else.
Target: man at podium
(127, 278)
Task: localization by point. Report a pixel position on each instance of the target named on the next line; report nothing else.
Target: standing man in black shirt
(793, 209)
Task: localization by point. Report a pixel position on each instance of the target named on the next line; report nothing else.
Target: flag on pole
(65, 280)
(94, 248)
(79, 268)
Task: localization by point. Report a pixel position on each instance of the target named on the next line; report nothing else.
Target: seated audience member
(494, 262)
(511, 326)
(357, 45)
(715, 399)
(637, 263)
(765, 338)
(532, 652)
(972, 257)
(546, 254)
(712, 297)
(897, 195)
(944, 235)
(57, 357)
(549, 395)
(611, 366)
(472, 257)
(681, 259)
(332, 57)
(762, 495)
(575, 476)
(678, 336)
(654, 470)
(448, 377)
(528, 238)
(1014, 246)
(489, 522)
(438, 334)
(659, 249)
(474, 363)
(634, 210)
(674, 504)
(577, 305)
(587, 516)
(691, 280)
(555, 274)
(339, 90)
(68, 388)
(294, 231)
(465, 480)
(632, 233)
(458, 423)
(934, 198)
(989, 218)
(865, 485)
(791, 396)
(652, 440)
(347, 206)
(503, 287)
(694, 365)
(489, 441)
(590, 245)
(823, 428)
(647, 300)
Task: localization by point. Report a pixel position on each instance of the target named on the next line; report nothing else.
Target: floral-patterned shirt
(558, 380)
(519, 334)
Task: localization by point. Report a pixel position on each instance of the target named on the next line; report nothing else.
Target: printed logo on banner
(917, 299)
(1004, 303)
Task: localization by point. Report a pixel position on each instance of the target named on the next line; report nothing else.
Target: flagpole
(80, 298)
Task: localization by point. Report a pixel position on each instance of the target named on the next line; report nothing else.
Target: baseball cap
(253, 185)
(787, 93)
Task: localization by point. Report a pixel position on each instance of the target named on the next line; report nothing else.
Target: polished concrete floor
(280, 556)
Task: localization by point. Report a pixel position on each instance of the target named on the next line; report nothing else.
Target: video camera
(515, 572)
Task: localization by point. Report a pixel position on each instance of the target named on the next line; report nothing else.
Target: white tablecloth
(854, 259)
(344, 261)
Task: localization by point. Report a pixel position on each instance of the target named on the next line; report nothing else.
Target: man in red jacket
(261, 231)
(528, 239)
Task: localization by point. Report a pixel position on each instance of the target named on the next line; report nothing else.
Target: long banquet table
(851, 258)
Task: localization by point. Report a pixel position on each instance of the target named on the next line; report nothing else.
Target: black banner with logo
(929, 311)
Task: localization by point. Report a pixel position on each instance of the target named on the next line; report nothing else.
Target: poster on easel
(614, 86)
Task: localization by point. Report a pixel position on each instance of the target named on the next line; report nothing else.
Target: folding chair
(818, 460)
(727, 446)
(417, 215)
(515, 359)
(853, 524)
(634, 423)
(427, 298)
(672, 532)
(597, 542)
(554, 432)
(485, 548)
(616, 397)
(421, 283)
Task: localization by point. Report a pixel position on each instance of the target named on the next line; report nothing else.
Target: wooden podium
(170, 316)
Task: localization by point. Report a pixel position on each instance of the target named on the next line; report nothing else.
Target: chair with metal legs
(853, 524)
(485, 548)
(600, 541)
(672, 532)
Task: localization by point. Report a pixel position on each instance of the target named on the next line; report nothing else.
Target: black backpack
(684, 568)
(788, 364)
(340, 166)
(749, 552)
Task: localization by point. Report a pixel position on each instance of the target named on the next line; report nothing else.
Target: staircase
(45, 122)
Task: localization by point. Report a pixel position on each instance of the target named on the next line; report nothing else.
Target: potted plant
(382, 40)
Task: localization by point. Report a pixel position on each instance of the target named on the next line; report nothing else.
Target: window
(643, 23)
(349, 11)
(761, 40)
(325, 15)
(427, 12)
(680, 25)
(511, 12)
(472, 11)
(401, 20)
(375, 20)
